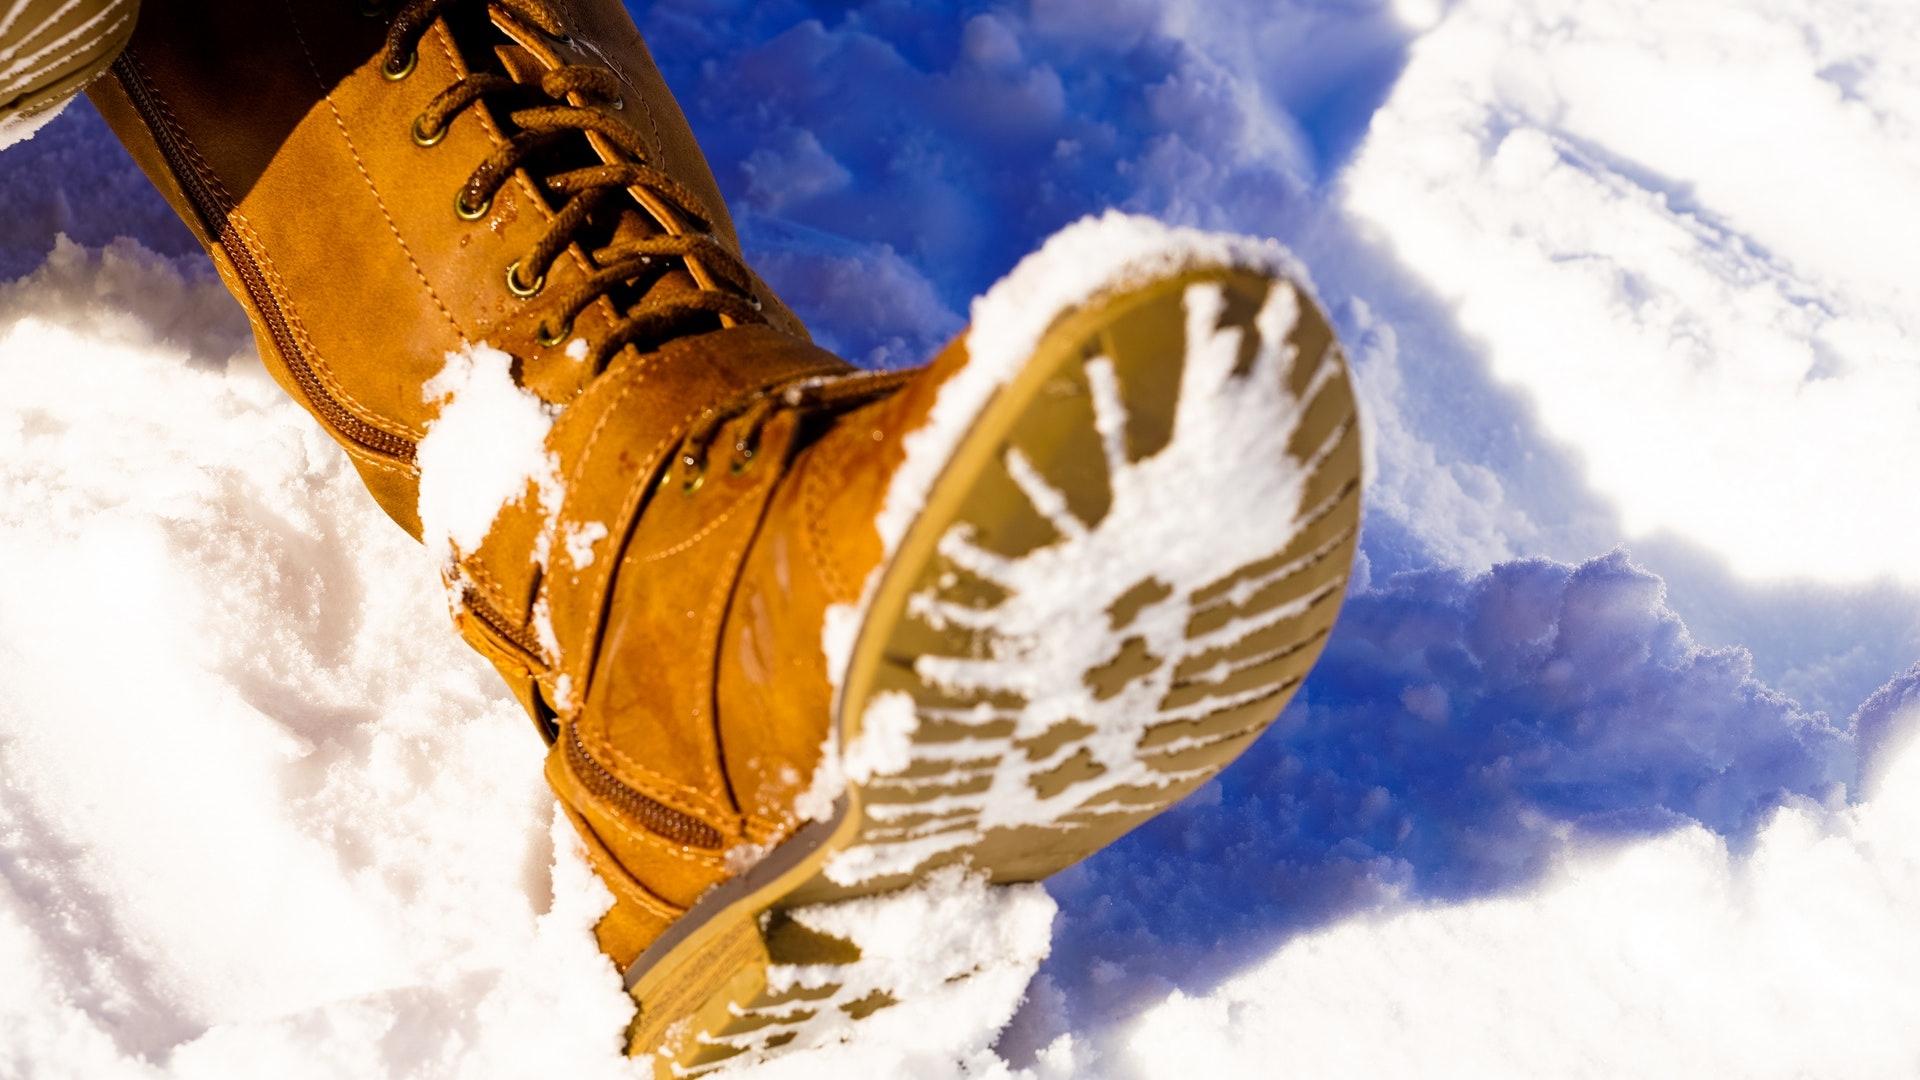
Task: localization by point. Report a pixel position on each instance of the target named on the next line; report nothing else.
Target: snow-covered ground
(1613, 271)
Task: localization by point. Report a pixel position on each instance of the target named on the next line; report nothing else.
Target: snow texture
(1672, 958)
(955, 952)
(484, 451)
(1702, 197)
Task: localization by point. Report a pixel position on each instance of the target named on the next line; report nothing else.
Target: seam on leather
(250, 241)
(361, 457)
(709, 769)
(654, 841)
(316, 361)
(632, 376)
(486, 583)
(721, 606)
(812, 503)
(339, 122)
(602, 586)
(444, 38)
(704, 531)
(624, 883)
(599, 853)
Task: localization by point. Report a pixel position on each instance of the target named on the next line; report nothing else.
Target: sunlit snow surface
(1611, 270)
(1678, 225)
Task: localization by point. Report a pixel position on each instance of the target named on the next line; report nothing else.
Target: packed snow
(1671, 958)
(1611, 270)
(485, 449)
(1676, 224)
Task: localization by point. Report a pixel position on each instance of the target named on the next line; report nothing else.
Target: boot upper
(371, 185)
(283, 135)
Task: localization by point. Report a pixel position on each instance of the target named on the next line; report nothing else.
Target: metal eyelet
(423, 137)
(470, 213)
(522, 290)
(372, 9)
(695, 482)
(395, 74)
(549, 338)
(617, 104)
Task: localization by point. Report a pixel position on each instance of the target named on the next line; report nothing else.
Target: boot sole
(1044, 665)
(88, 35)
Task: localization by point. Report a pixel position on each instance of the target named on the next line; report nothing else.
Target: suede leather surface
(818, 550)
(673, 635)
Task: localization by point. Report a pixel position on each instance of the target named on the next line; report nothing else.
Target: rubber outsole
(51, 49)
(1092, 615)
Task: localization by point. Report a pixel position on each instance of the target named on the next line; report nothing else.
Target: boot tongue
(619, 220)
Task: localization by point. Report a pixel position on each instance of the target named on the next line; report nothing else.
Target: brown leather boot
(796, 633)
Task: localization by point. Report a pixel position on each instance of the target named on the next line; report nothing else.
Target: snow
(1674, 224)
(485, 450)
(1671, 958)
(19, 128)
(955, 952)
(580, 541)
(261, 809)
(885, 744)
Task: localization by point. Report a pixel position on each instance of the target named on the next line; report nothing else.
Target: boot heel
(715, 1003)
(698, 990)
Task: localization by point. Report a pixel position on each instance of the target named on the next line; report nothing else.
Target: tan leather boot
(796, 633)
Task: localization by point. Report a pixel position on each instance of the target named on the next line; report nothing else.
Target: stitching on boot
(621, 877)
(361, 457)
(339, 122)
(488, 585)
(813, 507)
(621, 526)
(684, 798)
(444, 38)
(250, 242)
(707, 631)
(722, 602)
(653, 841)
(297, 326)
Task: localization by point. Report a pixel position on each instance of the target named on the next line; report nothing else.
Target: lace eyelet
(423, 137)
(617, 104)
(521, 289)
(549, 338)
(694, 482)
(395, 74)
(470, 213)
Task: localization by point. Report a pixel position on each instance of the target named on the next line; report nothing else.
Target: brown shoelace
(571, 102)
(829, 393)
